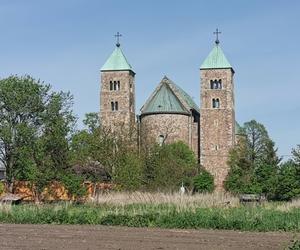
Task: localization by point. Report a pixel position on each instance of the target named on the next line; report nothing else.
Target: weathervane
(118, 35)
(217, 32)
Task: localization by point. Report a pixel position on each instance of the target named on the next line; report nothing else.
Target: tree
(296, 155)
(101, 155)
(128, 172)
(260, 146)
(169, 165)
(35, 128)
(22, 103)
(92, 121)
(204, 182)
(288, 185)
(254, 162)
(240, 176)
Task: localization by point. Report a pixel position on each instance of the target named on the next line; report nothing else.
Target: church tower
(217, 115)
(117, 94)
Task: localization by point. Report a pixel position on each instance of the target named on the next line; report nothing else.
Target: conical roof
(216, 59)
(169, 98)
(116, 61)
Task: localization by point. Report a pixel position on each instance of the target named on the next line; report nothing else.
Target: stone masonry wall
(217, 131)
(125, 96)
(174, 127)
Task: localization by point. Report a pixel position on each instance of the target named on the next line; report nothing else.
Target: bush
(204, 182)
(73, 184)
(129, 171)
(288, 186)
(2, 188)
(169, 165)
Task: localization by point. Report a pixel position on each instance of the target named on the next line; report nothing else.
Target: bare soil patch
(101, 237)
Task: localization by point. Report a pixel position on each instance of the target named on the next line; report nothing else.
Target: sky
(65, 43)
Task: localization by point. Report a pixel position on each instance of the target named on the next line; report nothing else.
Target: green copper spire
(216, 59)
(116, 61)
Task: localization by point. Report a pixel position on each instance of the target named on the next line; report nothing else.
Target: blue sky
(65, 43)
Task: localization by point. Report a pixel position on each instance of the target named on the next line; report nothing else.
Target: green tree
(22, 103)
(254, 162)
(169, 165)
(204, 182)
(101, 154)
(296, 155)
(35, 128)
(288, 186)
(129, 171)
(260, 146)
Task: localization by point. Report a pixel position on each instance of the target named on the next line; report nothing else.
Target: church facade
(170, 114)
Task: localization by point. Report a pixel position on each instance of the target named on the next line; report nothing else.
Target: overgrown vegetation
(35, 128)
(38, 143)
(204, 182)
(164, 216)
(256, 168)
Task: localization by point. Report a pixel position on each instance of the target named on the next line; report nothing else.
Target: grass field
(217, 211)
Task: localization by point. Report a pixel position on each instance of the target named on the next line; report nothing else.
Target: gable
(163, 100)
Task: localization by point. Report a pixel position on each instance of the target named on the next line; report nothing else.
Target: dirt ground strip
(101, 237)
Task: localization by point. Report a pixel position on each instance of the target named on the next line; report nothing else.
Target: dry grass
(286, 206)
(179, 200)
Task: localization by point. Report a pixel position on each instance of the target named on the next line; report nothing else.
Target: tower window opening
(211, 84)
(118, 85)
(161, 140)
(216, 84)
(111, 85)
(216, 103)
(114, 106)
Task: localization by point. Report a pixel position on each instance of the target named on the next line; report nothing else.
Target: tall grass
(156, 215)
(176, 199)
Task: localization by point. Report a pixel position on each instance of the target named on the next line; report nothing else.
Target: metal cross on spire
(217, 32)
(118, 35)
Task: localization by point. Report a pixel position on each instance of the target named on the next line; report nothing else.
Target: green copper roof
(164, 101)
(169, 98)
(116, 61)
(216, 59)
(189, 100)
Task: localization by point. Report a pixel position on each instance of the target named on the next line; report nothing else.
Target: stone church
(170, 114)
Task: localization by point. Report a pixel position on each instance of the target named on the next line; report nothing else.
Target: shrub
(288, 186)
(169, 165)
(129, 171)
(204, 182)
(2, 188)
(73, 184)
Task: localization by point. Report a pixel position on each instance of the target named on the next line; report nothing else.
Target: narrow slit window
(111, 85)
(112, 106)
(220, 84)
(116, 106)
(118, 85)
(217, 103)
(161, 139)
